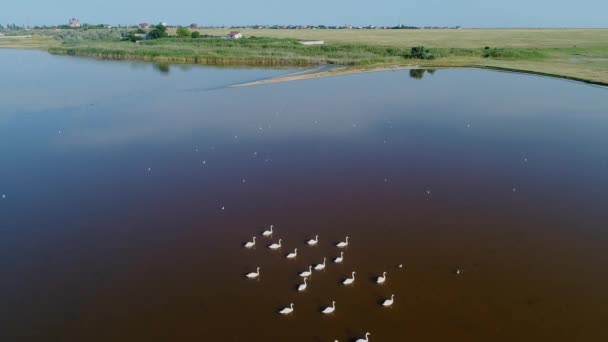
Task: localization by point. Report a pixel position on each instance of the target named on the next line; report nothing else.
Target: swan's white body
(313, 242)
(339, 259)
(330, 309)
(366, 338)
(253, 275)
(287, 310)
(349, 281)
(302, 287)
(320, 267)
(306, 273)
(343, 243)
(275, 245)
(381, 279)
(293, 255)
(389, 302)
(267, 232)
(250, 244)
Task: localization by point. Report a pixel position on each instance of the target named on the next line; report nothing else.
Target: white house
(235, 35)
(311, 42)
(74, 23)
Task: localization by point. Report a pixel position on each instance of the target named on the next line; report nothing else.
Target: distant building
(194, 26)
(144, 25)
(164, 24)
(235, 35)
(74, 23)
(311, 42)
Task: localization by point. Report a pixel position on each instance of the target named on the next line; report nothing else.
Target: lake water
(129, 189)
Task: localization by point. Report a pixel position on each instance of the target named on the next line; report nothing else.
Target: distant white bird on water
(293, 255)
(366, 338)
(250, 244)
(381, 279)
(343, 243)
(313, 242)
(306, 273)
(268, 232)
(330, 309)
(287, 310)
(339, 259)
(320, 267)
(302, 287)
(253, 275)
(275, 245)
(389, 302)
(349, 281)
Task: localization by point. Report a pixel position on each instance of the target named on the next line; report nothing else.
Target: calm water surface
(114, 177)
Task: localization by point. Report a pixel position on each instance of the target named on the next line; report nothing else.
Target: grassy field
(28, 42)
(580, 54)
(468, 38)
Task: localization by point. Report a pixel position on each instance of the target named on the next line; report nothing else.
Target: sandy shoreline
(313, 75)
(352, 71)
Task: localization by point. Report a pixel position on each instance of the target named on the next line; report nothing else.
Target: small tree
(420, 52)
(183, 32)
(196, 34)
(159, 31)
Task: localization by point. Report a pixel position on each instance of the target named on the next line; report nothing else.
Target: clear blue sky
(468, 13)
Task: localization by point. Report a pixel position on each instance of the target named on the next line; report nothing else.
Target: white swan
(366, 338)
(267, 232)
(381, 279)
(275, 245)
(343, 243)
(339, 259)
(313, 242)
(389, 302)
(349, 281)
(250, 244)
(330, 309)
(253, 275)
(302, 287)
(320, 267)
(306, 273)
(287, 310)
(293, 255)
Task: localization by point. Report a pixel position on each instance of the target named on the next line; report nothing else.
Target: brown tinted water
(115, 175)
